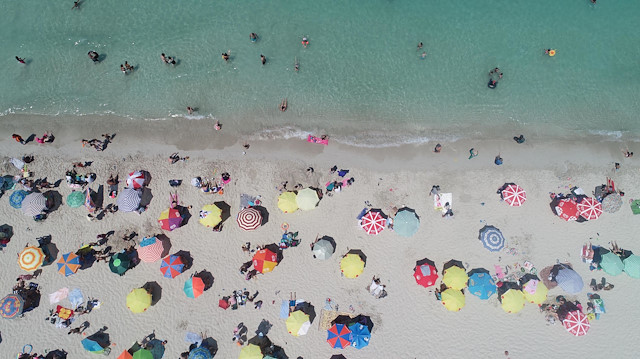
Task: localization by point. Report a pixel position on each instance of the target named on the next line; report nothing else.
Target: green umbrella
(611, 264)
(119, 263)
(142, 354)
(406, 222)
(632, 266)
(76, 199)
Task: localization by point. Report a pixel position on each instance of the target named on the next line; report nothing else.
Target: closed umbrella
(194, 287)
(455, 277)
(287, 202)
(119, 263)
(265, 260)
(512, 301)
(514, 195)
(352, 265)
(307, 199)
(611, 264)
(34, 203)
(453, 299)
(150, 250)
(138, 300)
(68, 264)
(425, 273)
(170, 219)
(17, 197)
(481, 284)
(129, 200)
(338, 336)
(491, 238)
(200, 353)
(11, 306)
(576, 323)
(171, 266)
(373, 222)
(136, 180)
(76, 199)
(612, 203)
(632, 266)
(322, 249)
(360, 335)
(251, 351)
(590, 209)
(569, 280)
(210, 215)
(30, 258)
(298, 323)
(535, 291)
(406, 222)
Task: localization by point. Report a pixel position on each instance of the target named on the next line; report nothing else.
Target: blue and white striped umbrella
(129, 200)
(491, 238)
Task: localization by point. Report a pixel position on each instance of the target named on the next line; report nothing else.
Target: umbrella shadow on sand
(359, 253)
(308, 309)
(264, 213)
(101, 337)
(156, 291)
(225, 208)
(56, 354)
(54, 200)
(210, 344)
(184, 213)
(146, 198)
(166, 243)
(207, 278)
(186, 257)
(264, 327)
(453, 263)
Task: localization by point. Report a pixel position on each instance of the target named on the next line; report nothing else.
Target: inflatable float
(314, 139)
(492, 84)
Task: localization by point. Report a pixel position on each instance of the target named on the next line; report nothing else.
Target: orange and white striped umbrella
(30, 258)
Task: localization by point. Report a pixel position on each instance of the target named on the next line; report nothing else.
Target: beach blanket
(441, 199)
(327, 316)
(59, 295)
(284, 308)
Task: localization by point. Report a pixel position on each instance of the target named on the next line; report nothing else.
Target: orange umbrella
(125, 355)
(265, 260)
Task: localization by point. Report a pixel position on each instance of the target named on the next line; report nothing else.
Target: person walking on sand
(473, 153)
(498, 160)
(18, 138)
(438, 148)
(217, 126)
(20, 60)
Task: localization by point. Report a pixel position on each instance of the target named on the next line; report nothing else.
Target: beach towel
(193, 338)
(75, 297)
(17, 163)
(342, 173)
(59, 295)
(441, 199)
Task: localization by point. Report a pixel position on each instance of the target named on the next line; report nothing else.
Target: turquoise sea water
(361, 78)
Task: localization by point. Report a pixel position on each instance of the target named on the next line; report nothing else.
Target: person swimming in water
(283, 105)
(424, 55)
(94, 56)
(76, 5)
(123, 69)
(492, 84)
(263, 59)
(225, 56)
(163, 58)
(419, 45)
(305, 42)
(128, 67)
(20, 60)
(253, 37)
(297, 65)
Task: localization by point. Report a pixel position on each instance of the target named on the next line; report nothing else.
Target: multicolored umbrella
(193, 287)
(298, 323)
(352, 265)
(171, 266)
(632, 266)
(11, 306)
(322, 249)
(512, 300)
(68, 264)
(76, 199)
(129, 200)
(34, 204)
(30, 258)
(453, 299)
(567, 209)
(338, 336)
(307, 199)
(138, 300)
(425, 273)
(535, 291)
(406, 222)
(17, 197)
(491, 238)
(265, 260)
(590, 209)
(251, 351)
(612, 203)
(200, 353)
(92, 346)
(143, 354)
(360, 335)
(373, 222)
(170, 219)
(119, 263)
(611, 264)
(135, 180)
(249, 219)
(455, 277)
(481, 285)
(514, 195)
(210, 215)
(150, 250)
(287, 202)
(576, 323)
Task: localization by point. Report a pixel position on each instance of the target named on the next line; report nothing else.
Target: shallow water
(361, 79)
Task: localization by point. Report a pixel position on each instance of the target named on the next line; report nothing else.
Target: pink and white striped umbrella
(514, 195)
(150, 250)
(576, 323)
(590, 208)
(373, 222)
(135, 180)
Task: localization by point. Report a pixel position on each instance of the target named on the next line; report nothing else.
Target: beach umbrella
(298, 323)
(425, 273)
(135, 180)
(512, 300)
(265, 260)
(138, 300)
(142, 354)
(200, 353)
(338, 336)
(287, 202)
(307, 199)
(569, 280)
(76, 199)
(576, 323)
(170, 219)
(125, 355)
(491, 238)
(68, 264)
(11, 306)
(210, 215)
(590, 209)
(92, 346)
(481, 285)
(453, 299)
(193, 287)
(611, 264)
(119, 263)
(150, 250)
(632, 266)
(129, 200)
(514, 195)
(171, 266)
(455, 277)
(338, 356)
(323, 249)
(17, 197)
(567, 209)
(373, 222)
(406, 222)
(34, 203)
(251, 351)
(351, 265)
(612, 203)
(30, 258)
(249, 219)
(360, 335)
(535, 291)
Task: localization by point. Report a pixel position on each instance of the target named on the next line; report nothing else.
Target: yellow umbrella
(138, 300)
(513, 301)
(298, 323)
(287, 202)
(210, 215)
(539, 295)
(453, 299)
(30, 258)
(251, 351)
(307, 199)
(351, 265)
(455, 277)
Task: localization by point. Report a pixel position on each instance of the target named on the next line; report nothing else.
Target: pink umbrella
(373, 222)
(514, 195)
(150, 250)
(576, 323)
(135, 180)
(590, 208)
(567, 209)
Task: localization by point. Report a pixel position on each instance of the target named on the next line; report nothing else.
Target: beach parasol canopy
(136, 180)
(612, 203)
(491, 238)
(569, 280)
(30, 258)
(287, 202)
(11, 306)
(453, 299)
(170, 219)
(338, 356)
(34, 204)
(138, 300)
(455, 277)
(406, 222)
(298, 323)
(351, 265)
(338, 336)
(125, 355)
(590, 209)
(307, 199)
(200, 353)
(535, 291)
(171, 266)
(119, 263)
(92, 346)
(76, 199)
(611, 264)
(360, 335)
(481, 284)
(210, 215)
(632, 266)
(567, 209)
(68, 264)
(129, 200)
(193, 287)
(150, 250)
(514, 195)
(143, 354)
(323, 249)
(425, 273)
(17, 197)
(251, 351)
(512, 301)
(576, 323)
(249, 219)
(265, 260)
(373, 222)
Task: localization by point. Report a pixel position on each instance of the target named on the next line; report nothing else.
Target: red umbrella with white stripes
(249, 219)
(567, 209)
(576, 323)
(373, 222)
(136, 180)
(150, 250)
(590, 208)
(514, 195)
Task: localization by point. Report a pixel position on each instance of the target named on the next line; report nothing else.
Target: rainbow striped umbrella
(30, 258)
(170, 219)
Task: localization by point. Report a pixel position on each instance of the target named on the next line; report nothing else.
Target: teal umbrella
(611, 264)
(406, 222)
(119, 263)
(92, 346)
(632, 266)
(76, 199)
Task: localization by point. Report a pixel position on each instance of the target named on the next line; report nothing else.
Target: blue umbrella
(569, 280)
(491, 238)
(481, 285)
(11, 306)
(91, 345)
(200, 353)
(171, 266)
(406, 222)
(17, 197)
(360, 335)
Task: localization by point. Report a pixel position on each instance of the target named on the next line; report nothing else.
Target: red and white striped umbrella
(135, 180)
(576, 323)
(373, 222)
(514, 195)
(249, 219)
(590, 208)
(150, 250)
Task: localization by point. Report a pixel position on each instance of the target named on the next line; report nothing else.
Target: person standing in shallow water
(263, 59)
(20, 60)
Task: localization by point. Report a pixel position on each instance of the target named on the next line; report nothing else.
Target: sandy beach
(408, 323)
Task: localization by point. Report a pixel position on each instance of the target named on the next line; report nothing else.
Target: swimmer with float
(550, 52)
(253, 37)
(305, 42)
